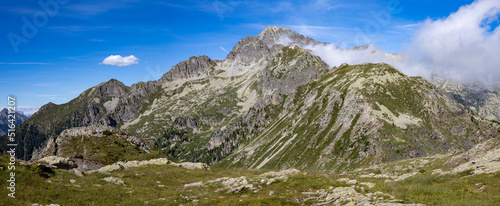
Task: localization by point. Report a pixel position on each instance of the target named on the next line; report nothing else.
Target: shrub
(42, 170)
(107, 132)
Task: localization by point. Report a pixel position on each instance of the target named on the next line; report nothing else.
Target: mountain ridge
(204, 110)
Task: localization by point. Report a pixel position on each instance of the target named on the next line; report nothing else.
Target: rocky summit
(270, 105)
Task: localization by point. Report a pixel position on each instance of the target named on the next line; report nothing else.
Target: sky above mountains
(52, 50)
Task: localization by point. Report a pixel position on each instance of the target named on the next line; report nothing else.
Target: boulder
(191, 165)
(59, 162)
(114, 180)
(110, 168)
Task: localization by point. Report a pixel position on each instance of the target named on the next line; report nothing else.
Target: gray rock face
(248, 50)
(273, 34)
(185, 122)
(112, 88)
(192, 67)
(479, 99)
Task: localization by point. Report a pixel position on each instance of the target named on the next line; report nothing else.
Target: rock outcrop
(161, 161)
(480, 99)
(193, 67)
(114, 180)
(93, 147)
(482, 158)
(58, 162)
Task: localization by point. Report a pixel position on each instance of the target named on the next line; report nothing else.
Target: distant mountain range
(274, 106)
(4, 123)
(28, 111)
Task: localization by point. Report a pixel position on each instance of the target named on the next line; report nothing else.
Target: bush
(107, 132)
(42, 170)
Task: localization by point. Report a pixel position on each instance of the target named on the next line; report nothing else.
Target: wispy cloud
(48, 84)
(78, 28)
(19, 10)
(48, 96)
(223, 49)
(408, 26)
(329, 4)
(313, 31)
(24, 63)
(93, 8)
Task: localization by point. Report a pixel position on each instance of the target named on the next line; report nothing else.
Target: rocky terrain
(481, 99)
(361, 115)
(4, 123)
(432, 180)
(330, 196)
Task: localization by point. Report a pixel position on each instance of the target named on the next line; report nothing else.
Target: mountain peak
(280, 35)
(274, 31)
(112, 87)
(193, 67)
(252, 49)
(111, 81)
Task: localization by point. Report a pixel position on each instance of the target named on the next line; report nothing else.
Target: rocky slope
(482, 100)
(361, 115)
(109, 104)
(273, 106)
(4, 123)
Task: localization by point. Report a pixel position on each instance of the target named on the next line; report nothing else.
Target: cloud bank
(334, 56)
(117, 60)
(464, 46)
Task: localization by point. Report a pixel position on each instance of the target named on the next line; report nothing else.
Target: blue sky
(62, 58)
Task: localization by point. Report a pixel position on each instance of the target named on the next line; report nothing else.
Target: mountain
(4, 120)
(272, 104)
(360, 115)
(482, 100)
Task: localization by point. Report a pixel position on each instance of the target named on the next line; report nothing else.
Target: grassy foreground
(164, 185)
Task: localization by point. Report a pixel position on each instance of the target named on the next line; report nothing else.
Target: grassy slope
(105, 150)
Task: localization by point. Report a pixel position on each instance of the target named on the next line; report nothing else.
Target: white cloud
(334, 56)
(23, 63)
(117, 60)
(462, 47)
